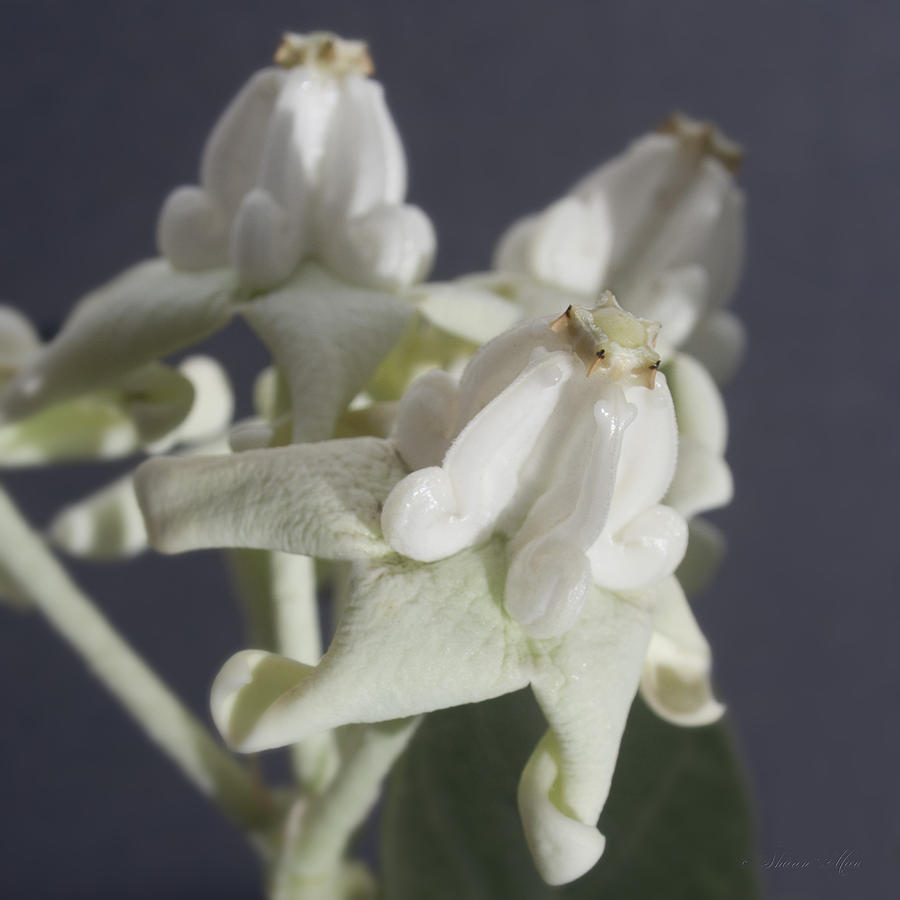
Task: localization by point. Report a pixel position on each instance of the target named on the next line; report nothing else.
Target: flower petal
(212, 408)
(327, 339)
(108, 524)
(388, 248)
(364, 165)
(676, 679)
(702, 480)
(400, 649)
(584, 682)
(467, 308)
(316, 499)
(719, 344)
(194, 223)
(642, 540)
(144, 404)
(148, 311)
(699, 407)
(705, 550)
(438, 511)
(561, 247)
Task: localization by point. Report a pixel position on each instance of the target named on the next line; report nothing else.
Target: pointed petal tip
(563, 848)
(245, 695)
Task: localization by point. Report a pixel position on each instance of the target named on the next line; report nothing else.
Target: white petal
(108, 524)
(624, 194)
(273, 229)
(561, 247)
(642, 541)
(647, 549)
(266, 241)
(213, 403)
(145, 313)
(192, 232)
(467, 309)
(319, 499)
(702, 480)
(676, 679)
(327, 339)
(193, 228)
(156, 398)
(400, 649)
(438, 511)
(550, 575)
(91, 427)
(426, 420)
(719, 344)
(389, 247)
(699, 407)
(563, 847)
(584, 682)
(705, 551)
(233, 155)
(364, 166)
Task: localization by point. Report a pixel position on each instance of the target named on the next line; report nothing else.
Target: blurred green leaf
(677, 823)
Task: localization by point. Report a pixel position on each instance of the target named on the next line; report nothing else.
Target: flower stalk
(35, 574)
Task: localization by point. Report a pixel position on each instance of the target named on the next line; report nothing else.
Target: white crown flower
(662, 225)
(298, 224)
(511, 532)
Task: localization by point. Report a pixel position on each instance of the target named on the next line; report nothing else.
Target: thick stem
(278, 592)
(316, 841)
(38, 577)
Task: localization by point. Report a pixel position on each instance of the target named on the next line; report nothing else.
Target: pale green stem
(278, 592)
(296, 614)
(317, 839)
(37, 576)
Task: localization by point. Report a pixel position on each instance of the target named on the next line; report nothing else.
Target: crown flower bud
(562, 436)
(304, 163)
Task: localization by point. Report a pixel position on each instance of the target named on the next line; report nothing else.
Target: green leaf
(677, 823)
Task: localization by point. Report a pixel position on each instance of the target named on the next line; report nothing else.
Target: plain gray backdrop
(501, 105)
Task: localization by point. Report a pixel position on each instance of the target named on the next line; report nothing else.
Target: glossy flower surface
(298, 225)
(525, 503)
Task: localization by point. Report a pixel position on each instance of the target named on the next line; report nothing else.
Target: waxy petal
(560, 247)
(400, 649)
(327, 339)
(105, 525)
(467, 308)
(213, 403)
(319, 499)
(585, 682)
(90, 427)
(703, 558)
(438, 511)
(702, 480)
(719, 344)
(550, 575)
(108, 523)
(699, 407)
(676, 680)
(364, 166)
(390, 248)
(142, 406)
(148, 311)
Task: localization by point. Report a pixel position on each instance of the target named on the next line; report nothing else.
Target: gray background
(502, 105)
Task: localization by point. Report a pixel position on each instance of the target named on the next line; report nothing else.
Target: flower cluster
(519, 520)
